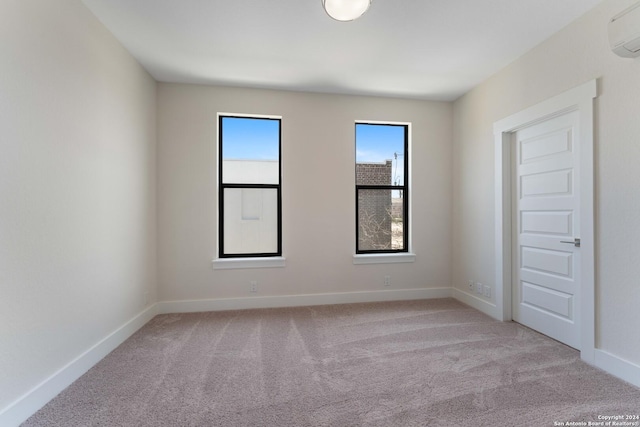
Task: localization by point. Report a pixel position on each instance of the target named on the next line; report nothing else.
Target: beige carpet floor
(413, 363)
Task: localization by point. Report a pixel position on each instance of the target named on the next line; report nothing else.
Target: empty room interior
(308, 212)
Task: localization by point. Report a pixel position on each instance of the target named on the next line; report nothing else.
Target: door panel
(546, 283)
(547, 184)
(557, 263)
(544, 222)
(547, 145)
(548, 300)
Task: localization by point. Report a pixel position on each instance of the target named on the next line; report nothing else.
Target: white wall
(576, 54)
(318, 156)
(240, 171)
(251, 214)
(77, 188)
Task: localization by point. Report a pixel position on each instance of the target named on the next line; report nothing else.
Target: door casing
(578, 99)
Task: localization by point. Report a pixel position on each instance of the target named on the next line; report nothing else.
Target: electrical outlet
(253, 286)
(387, 281)
(145, 298)
(471, 285)
(479, 288)
(487, 291)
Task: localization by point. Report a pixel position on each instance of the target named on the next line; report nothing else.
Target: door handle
(575, 242)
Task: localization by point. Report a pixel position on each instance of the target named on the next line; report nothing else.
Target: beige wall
(77, 188)
(576, 54)
(318, 156)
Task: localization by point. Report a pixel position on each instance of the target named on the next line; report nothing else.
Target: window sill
(239, 263)
(383, 258)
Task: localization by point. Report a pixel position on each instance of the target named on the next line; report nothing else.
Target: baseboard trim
(623, 369)
(479, 304)
(28, 404)
(190, 306)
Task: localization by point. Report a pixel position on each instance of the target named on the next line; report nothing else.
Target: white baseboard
(32, 401)
(28, 404)
(626, 371)
(479, 304)
(191, 306)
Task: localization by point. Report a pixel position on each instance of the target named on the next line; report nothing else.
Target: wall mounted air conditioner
(624, 32)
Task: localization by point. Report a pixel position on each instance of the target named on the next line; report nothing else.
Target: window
(381, 188)
(249, 192)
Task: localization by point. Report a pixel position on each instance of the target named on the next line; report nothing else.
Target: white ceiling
(427, 49)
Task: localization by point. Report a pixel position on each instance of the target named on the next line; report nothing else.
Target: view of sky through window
(250, 138)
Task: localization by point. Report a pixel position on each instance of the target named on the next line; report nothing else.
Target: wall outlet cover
(487, 291)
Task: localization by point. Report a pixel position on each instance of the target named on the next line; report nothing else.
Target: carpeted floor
(413, 363)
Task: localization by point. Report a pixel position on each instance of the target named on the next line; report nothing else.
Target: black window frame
(223, 186)
(403, 188)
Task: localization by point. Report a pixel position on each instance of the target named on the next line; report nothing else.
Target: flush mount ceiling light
(345, 10)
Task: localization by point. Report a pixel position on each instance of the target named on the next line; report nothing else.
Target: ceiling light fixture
(345, 10)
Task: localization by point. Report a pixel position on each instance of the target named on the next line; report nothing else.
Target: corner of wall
(32, 401)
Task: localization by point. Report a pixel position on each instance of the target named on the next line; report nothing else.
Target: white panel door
(546, 282)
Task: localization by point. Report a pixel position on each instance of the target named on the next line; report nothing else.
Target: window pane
(250, 220)
(380, 154)
(250, 150)
(380, 220)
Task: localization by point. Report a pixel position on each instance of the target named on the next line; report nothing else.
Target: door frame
(578, 99)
